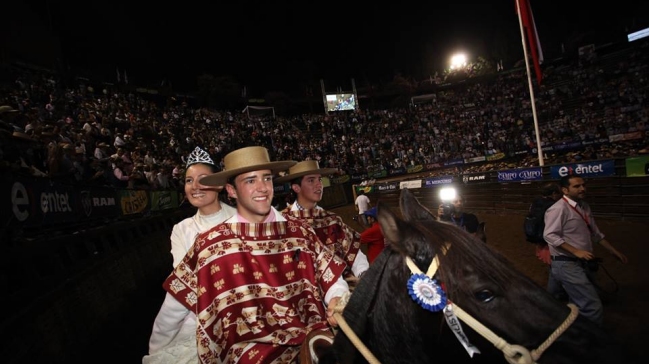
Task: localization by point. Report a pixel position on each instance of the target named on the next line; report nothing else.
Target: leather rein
(514, 354)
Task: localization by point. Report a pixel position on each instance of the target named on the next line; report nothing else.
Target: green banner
(637, 166)
(133, 201)
(366, 189)
(163, 200)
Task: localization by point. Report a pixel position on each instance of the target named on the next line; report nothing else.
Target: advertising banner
(387, 187)
(98, 202)
(341, 179)
(473, 178)
(415, 169)
(133, 201)
(637, 166)
(521, 175)
(495, 157)
(410, 184)
(39, 203)
(434, 181)
(358, 177)
(163, 200)
(454, 162)
(587, 169)
(475, 159)
(366, 189)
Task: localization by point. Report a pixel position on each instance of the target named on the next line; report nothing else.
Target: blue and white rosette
(426, 292)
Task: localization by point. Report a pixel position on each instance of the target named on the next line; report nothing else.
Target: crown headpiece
(199, 156)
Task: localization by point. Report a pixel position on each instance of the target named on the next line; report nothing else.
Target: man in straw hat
(306, 181)
(259, 281)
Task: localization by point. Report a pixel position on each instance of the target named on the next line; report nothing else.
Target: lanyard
(585, 218)
(461, 222)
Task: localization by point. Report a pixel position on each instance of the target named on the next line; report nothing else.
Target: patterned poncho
(344, 241)
(256, 289)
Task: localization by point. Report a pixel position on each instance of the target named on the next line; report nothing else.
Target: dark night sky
(268, 46)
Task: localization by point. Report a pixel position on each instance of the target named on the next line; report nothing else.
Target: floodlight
(447, 194)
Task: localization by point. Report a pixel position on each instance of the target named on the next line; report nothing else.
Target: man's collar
(570, 201)
(296, 205)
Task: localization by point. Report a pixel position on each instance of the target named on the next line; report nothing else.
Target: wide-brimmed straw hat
(244, 160)
(22, 136)
(304, 168)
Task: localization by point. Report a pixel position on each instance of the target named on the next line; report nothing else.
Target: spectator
(257, 245)
(464, 220)
(373, 236)
(362, 204)
(305, 179)
(173, 338)
(571, 231)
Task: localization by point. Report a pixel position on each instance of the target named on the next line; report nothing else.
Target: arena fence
(617, 188)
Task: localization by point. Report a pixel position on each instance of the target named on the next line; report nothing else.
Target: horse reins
(515, 354)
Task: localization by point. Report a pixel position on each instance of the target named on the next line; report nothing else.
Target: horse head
(475, 278)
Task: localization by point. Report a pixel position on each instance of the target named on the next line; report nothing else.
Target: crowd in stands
(108, 137)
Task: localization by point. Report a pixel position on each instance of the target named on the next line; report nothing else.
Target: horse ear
(411, 208)
(393, 229)
(388, 222)
(481, 233)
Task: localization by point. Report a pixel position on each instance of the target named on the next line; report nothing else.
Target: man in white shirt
(362, 204)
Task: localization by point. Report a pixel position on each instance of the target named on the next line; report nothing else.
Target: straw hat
(244, 160)
(304, 168)
(7, 109)
(22, 136)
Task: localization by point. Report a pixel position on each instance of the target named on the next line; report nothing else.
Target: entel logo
(19, 199)
(580, 169)
(49, 202)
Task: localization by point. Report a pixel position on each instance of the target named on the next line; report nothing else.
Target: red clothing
(332, 231)
(373, 237)
(257, 290)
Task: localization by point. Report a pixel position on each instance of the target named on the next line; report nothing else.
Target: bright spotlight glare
(458, 61)
(447, 194)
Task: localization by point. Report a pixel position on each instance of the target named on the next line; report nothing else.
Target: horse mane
(465, 251)
(396, 329)
(357, 308)
(425, 234)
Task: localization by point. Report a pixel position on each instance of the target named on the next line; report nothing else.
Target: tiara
(199, 156)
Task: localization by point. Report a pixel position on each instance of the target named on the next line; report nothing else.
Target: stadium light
(458, 61)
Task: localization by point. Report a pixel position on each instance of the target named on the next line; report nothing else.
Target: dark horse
(396, 329)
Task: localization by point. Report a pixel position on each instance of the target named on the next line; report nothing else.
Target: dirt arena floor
(626, 311)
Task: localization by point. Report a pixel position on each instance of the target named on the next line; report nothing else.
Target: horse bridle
(514, 354)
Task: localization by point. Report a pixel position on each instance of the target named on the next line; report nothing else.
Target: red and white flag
(532, 37)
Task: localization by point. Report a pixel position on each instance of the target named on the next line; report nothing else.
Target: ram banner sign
(589, 169)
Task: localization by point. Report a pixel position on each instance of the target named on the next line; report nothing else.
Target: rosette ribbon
(426, 292)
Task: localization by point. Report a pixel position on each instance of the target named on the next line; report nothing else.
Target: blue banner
(454, 162)
(521, 175)
(434, 181)
(587, 169)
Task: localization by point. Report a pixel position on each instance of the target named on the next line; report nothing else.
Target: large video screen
(338, 102)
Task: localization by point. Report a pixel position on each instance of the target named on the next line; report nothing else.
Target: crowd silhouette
(596, 107)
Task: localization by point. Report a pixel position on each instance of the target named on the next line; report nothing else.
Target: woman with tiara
(173, 338)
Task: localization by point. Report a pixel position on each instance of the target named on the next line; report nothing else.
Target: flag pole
(529, 82)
